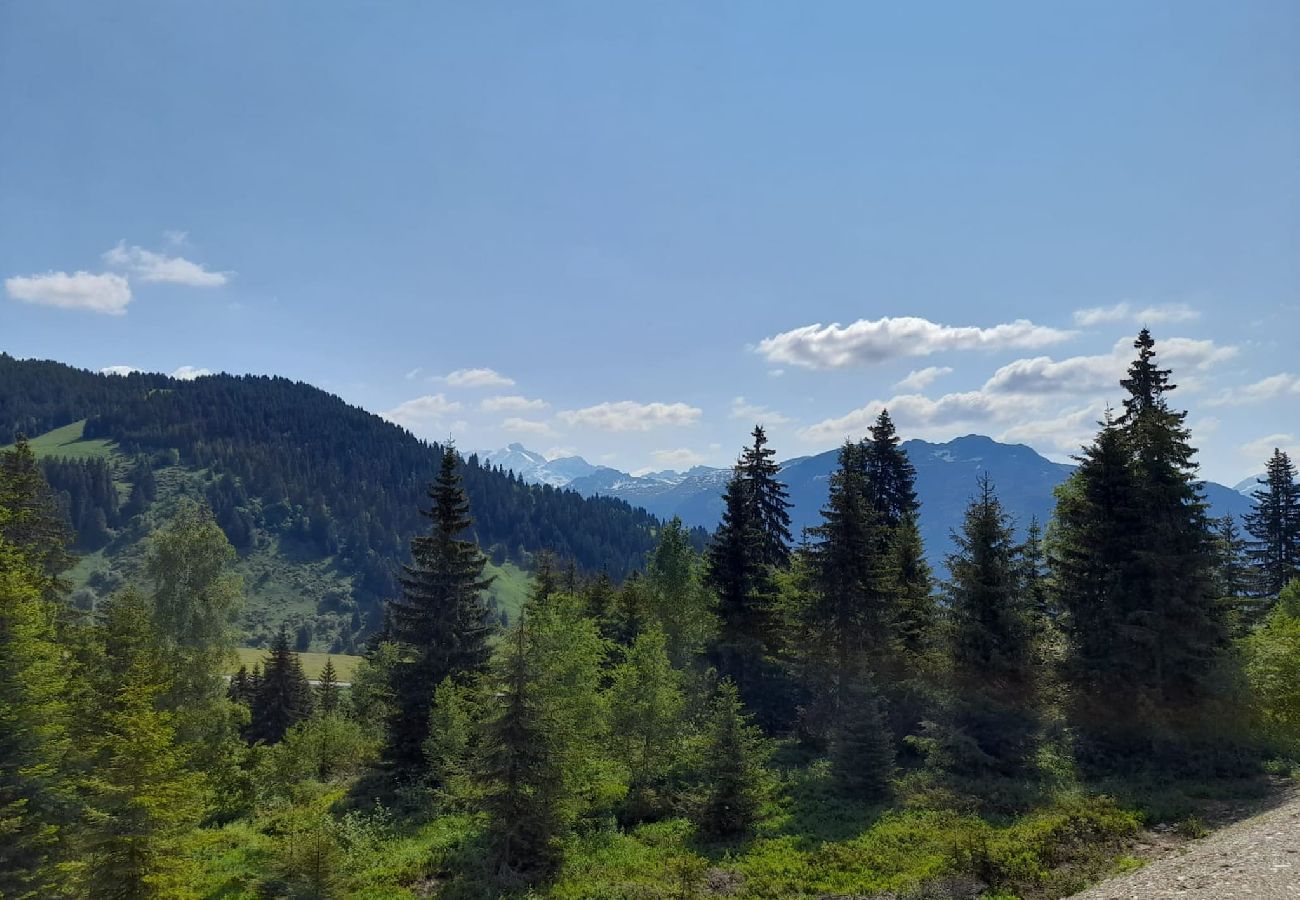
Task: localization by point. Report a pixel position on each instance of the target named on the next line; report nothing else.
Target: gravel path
(1257, 858)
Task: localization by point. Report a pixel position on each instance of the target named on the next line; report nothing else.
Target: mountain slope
(327, 494)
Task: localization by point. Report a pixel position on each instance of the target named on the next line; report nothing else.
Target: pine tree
(36, 791)
(285, 696)
(847, 622)
(861, 744)
(327, 688)
(1234, 577)
(770, 502)
(441, 623)
(1135, 576)
(735, 776)
(994, 703)
(33, 524)
(888, 475)
(143, 795)
(541, 762)
(752, 539)
(1274, 524)
(238, 691)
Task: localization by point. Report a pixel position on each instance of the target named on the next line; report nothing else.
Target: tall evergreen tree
(327, 688)
(1234, 577)
(679, 601)
(646, 707)
(285, 696)
(144, 796)
(1274, 524)
(994, 702)
(846, 624)
(889, 477)
(769, 499)
(1136, 575)
(33, 524)
(734, 775)
(441, 622)
(541, 748)
(36, 790)
(861, 743)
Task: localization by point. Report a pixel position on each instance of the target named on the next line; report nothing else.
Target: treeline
(1128, 636)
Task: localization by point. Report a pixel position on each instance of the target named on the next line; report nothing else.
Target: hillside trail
(1258, 857)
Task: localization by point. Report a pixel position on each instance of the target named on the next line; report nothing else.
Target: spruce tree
(679, 601)
(327, 689)
(888, 475)
(1274, 524)
(33, 524)
(36, 788)
(847, 622)
(861, 744)
(1234, 577)
(770, 502)
(994, 689)
(735, 776)
(1135, 576)
(441, 623)
(285, 696)
(646, 707)
(143, 795)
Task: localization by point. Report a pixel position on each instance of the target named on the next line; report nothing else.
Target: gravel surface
(1257, 858)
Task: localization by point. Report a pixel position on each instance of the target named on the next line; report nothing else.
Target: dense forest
(350, 488)
(760, 718)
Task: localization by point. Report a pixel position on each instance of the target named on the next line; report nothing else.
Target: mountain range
(947, 474)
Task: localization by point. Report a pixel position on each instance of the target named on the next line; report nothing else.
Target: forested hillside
(763, 719)
(284, 463)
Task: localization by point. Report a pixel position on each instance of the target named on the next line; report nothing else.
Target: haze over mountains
(947, 474)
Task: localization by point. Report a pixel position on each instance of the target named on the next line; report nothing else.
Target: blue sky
(630, 230)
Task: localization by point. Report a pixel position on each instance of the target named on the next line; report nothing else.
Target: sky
(632, 230)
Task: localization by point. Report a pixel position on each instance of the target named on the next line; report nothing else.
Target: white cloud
(560, 452)
(527, 426)
(176, 238)
(627, 415)
(421, 412)
(118, 370)
(865, 342)
(680, 458)
(753, 412)
(920, 413)
(1125, 312)
(157, 267)
(1064, 432)
(189, 373)
(475, 378)
(1259, 450)
(920, 379)
(512, 403)
(1271, 388)
(1095, 374)
(106, 293)
(414, 373)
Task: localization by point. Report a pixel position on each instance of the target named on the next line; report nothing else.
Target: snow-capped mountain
(535, 468)
(947, 476)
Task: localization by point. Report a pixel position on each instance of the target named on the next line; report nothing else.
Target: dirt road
(1258, 858)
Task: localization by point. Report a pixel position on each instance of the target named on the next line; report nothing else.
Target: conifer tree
(646, 707)
(327, 689)
(1234, 577)
(735, 775)
(285, 696)
(1274, 524)
(994, 702)
(36, 790)
(33, 524)
(847, 622)
(861, 744)
(541, 760)
(238, 691)
(1135, 575)
(441, 622)
(752, 539)
(143, 795)
(889, 477)
(679, 602)
(448, 746)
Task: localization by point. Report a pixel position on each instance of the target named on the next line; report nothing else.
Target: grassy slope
(67, 442)
(312, 663)
(284, 581)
